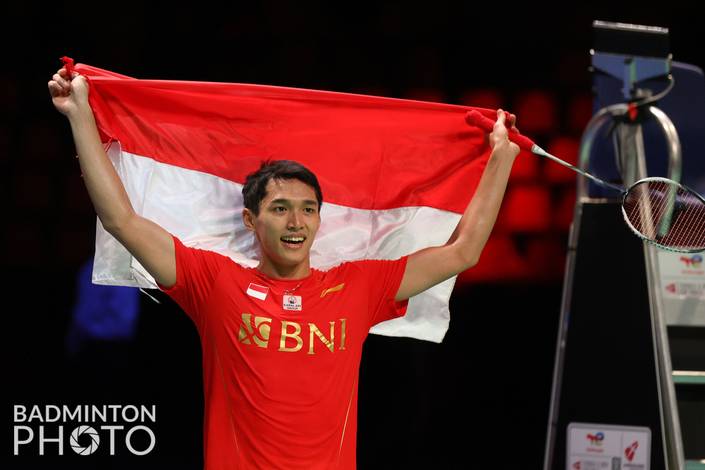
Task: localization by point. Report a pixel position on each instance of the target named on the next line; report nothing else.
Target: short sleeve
(384, 278)
(196, 274)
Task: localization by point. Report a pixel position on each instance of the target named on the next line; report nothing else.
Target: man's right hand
(148, 242)
(69, 94)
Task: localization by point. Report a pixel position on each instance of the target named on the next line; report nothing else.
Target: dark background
(478, 400)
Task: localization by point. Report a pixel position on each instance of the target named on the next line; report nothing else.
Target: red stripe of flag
(369, 152)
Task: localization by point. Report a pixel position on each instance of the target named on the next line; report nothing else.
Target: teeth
(293, 239)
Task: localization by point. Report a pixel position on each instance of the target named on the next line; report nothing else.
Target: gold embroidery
(312, 328)
(257, 330)
(247, 332)
(337, 288)
(296, 335)
(342, 337)
(345, 425)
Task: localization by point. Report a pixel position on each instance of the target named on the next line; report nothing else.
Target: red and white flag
(396, 174)
(257, 291)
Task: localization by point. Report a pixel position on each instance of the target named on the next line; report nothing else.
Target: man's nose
(294, 221)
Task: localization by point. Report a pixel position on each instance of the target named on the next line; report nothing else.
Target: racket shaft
(539, 151)
(475, 118)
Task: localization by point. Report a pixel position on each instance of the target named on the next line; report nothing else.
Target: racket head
(666, 213)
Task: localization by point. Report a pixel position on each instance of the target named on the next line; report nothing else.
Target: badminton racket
(661, 211)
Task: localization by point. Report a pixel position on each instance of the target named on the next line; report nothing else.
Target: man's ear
(248, 218)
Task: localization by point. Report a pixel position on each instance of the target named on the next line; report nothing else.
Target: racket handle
(474, 118)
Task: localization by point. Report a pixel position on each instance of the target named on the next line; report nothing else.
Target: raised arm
(429, 266)
(148, 242)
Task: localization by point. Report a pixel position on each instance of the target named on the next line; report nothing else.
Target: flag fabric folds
(396, 174)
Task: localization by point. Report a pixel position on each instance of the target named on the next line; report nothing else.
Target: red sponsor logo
(631, 450)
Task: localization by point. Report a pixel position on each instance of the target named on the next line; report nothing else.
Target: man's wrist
(82, 115)
(503, 151)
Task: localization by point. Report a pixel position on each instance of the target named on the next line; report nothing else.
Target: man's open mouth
(293, 240)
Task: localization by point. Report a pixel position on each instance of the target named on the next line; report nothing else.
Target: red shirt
(281, 384)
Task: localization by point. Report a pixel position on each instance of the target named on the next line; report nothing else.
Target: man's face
(287, 222)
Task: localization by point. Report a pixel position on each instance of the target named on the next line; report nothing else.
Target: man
(281, 342)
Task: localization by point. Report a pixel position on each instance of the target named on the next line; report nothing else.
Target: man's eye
(279, 209)
(310, 210)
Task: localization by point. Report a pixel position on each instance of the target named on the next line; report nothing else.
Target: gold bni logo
(256, 331)
(259, 332)
(337, 288)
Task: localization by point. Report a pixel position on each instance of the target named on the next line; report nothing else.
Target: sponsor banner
(682, 275)
(608, 447)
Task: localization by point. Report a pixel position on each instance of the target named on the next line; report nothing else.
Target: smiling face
(285, 227)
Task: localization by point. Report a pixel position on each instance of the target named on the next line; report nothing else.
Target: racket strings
(666, 214)
(688, 228)
(656, 210)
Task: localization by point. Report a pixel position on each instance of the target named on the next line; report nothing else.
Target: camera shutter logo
(80, 431)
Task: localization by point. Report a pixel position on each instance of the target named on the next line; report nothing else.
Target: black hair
(255, 188)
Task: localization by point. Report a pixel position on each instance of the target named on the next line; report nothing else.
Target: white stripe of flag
(213, 221)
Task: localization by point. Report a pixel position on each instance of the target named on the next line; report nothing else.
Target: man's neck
(293, 273)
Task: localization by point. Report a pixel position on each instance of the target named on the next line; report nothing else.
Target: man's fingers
(509, 120)
(54, 88)
(57, 78)
(65, 84)
(506, 123)
(501, 118)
